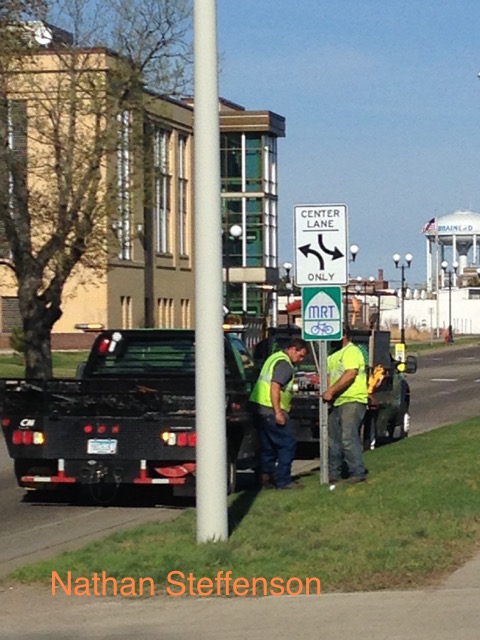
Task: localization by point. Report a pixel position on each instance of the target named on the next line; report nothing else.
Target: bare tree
(54, 207)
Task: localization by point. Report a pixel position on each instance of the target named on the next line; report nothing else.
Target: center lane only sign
(321, 244)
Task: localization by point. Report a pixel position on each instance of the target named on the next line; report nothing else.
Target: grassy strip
(416, 519)
(64, 364)
(464, 341)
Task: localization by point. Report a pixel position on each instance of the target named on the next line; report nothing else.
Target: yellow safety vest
(261, 391)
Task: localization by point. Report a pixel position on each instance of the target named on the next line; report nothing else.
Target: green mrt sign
(322, 313)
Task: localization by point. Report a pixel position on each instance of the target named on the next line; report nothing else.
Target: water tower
(452, 237)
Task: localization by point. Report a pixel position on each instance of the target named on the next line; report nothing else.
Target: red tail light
(22, 436)
(102, 428)
(103, 346)
(5, 422)
(116, 428)
(88, 428)
(182, 439)
(192, 439)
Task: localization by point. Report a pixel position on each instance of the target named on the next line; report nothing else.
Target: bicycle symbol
(321, 329)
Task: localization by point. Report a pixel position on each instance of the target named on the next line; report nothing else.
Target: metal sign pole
(323, 414)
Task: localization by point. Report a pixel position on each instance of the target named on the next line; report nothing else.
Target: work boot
(292, 485)
(356, 479)
(267, 481)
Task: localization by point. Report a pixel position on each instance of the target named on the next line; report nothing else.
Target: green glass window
(253, 162)
(231, 161)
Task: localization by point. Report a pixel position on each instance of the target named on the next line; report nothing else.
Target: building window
(255, 242)
(253, 163)
(126, 306)
(123, 177)
(231, 161)
(165, 313)
(162, 183)
(186, 319)
(270, 165)
(10, 314)
(270, 232)
(13, 169)
(182, 195)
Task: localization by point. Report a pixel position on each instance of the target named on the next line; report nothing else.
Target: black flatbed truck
(129, 419)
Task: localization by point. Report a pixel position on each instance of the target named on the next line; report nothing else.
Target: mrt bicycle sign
(322, 313)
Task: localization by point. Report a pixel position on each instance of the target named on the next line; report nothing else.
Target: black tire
(403, 411)
(403, 427)
(231, 472)
(369, 431)
(391, 430)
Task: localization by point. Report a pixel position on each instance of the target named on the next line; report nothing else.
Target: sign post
(320, 265)
(322, 321)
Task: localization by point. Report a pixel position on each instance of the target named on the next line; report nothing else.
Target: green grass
(465, 341)
(64, 364)
(417, 519)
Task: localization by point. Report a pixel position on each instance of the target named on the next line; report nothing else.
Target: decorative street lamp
(234, 232)
(354, 249)
(402, 267)
(450, 272)
(362, 287)
(288, 285)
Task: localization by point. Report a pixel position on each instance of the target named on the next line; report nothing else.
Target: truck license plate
(102, 446)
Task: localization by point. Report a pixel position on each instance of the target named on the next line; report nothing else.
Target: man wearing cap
(271, 399)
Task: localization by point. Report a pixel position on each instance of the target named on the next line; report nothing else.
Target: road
(32, 529)
(445, 389)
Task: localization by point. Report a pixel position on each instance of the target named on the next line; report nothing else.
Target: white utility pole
(212, 514)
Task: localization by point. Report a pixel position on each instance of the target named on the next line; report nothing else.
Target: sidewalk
(447, 612)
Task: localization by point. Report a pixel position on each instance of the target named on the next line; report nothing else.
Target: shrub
(17, 340)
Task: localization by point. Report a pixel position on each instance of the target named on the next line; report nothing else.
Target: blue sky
(382, 107)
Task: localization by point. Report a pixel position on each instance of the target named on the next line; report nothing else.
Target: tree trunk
(38, 354)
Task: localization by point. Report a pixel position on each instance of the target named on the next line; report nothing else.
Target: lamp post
(354, 249)
(402, 267)
(362, 287)
(449, 272)
(233, 233)
(288, 285)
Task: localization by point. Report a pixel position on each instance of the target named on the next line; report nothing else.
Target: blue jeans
(344, 442)
(277, 448)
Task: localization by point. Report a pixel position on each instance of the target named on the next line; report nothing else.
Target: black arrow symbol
(306, 250)
(336, 253)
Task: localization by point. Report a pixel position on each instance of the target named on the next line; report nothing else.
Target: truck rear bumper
(123, 472)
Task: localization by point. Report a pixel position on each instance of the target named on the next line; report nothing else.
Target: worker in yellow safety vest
(270, 400)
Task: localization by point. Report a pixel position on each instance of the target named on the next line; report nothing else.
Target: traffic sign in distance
(321, 244)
